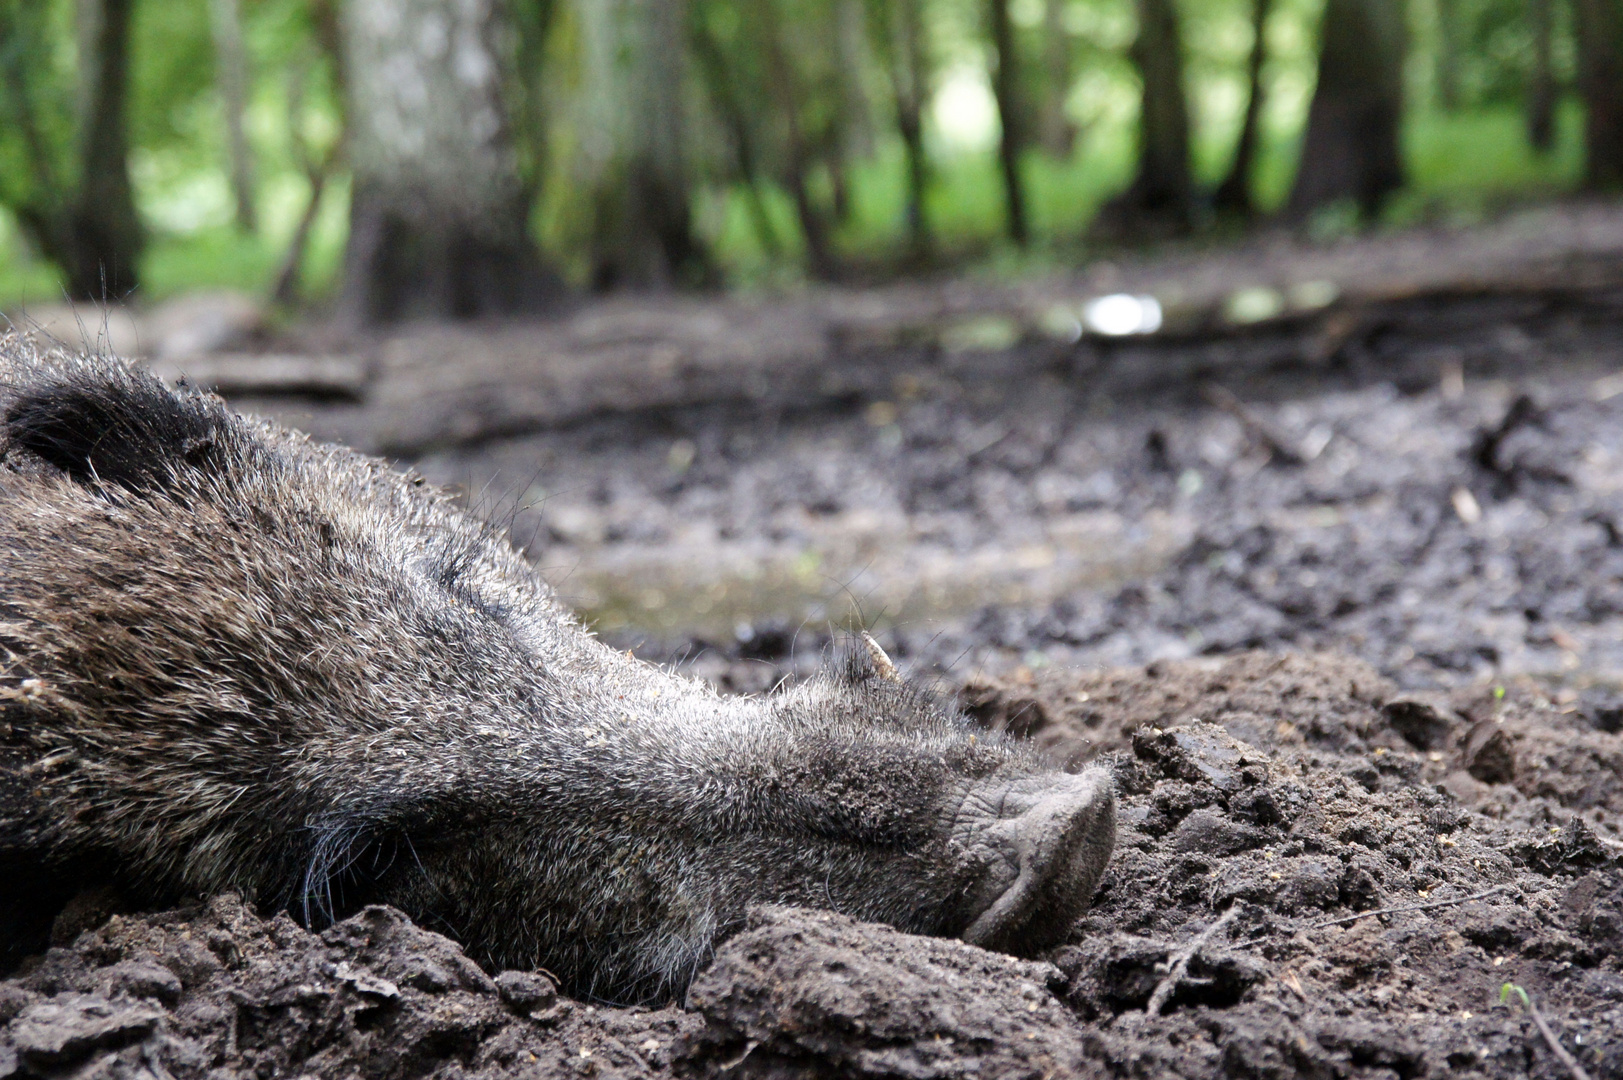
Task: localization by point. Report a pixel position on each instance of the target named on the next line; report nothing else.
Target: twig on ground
(1179, 965)
(1280, 445)
(1578, 1071)
(1408, 907)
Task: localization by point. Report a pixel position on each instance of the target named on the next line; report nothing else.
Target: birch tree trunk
(439, 217)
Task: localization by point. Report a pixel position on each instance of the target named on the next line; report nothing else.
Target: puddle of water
(863, 577)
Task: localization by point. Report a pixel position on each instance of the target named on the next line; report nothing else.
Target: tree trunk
(1600, 81)
(637, 73)
(231, 74)
(1351, 149)
(1056, 131)
(74, 199)
(438, 219)
(317, 167)
(1541, 81)
(1448, 55)
(660, 189)
(786, 94)
(735, 118)
(1011, 113)
(1233, 195)
(855, 60)
(1160, 198)
(908, 77)
(104, 235)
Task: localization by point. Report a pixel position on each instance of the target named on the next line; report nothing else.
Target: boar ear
(98, 421)
(882, 665)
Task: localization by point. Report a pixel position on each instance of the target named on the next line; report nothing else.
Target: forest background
(391, 158)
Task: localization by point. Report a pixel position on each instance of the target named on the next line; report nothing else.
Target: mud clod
(1488, 754)
(815, 994)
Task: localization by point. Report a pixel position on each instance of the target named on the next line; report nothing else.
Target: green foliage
(794, 114)
(37, 102)
(1493, 40)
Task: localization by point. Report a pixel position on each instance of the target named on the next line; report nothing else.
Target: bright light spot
(964, 109)
(1307, 295)
(1060, 323)
(1252, 305)
(1119, 314)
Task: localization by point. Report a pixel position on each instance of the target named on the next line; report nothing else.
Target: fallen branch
(1180, 962)
(1408, 907)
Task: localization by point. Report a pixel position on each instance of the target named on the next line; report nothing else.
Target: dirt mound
(1519, 750)
(185, 993)
(1315, 876)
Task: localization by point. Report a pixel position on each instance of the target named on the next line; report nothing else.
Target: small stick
(1408, 907)
(1577, 1070)
(1180, 962)
(1277, 444)
(1550, 1039)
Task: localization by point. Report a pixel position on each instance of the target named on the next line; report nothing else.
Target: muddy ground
(1339, 597)
(1267, 801)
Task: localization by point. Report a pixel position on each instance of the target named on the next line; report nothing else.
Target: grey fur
(233, 658)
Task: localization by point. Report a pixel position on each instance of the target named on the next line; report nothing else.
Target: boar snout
(1044, 842)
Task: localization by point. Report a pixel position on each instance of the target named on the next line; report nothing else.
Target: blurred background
(485, 155)
(1020, 332)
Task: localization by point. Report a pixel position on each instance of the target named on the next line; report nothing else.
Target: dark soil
(1340, 602)
(1283, 794)
(1447, 535)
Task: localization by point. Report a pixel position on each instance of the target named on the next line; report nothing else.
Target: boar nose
(1044, 841)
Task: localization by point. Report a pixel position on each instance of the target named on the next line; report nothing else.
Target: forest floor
(1329, 569)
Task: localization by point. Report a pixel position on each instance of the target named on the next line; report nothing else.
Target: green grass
(1463, 166)
(24, 278)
